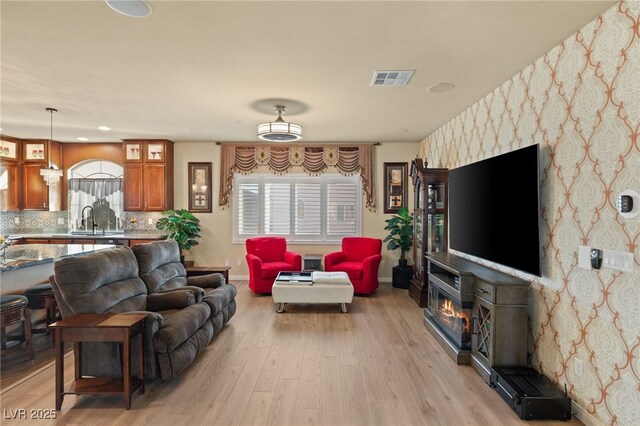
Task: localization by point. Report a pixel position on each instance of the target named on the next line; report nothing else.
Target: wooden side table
(194, 271)
(103, 327)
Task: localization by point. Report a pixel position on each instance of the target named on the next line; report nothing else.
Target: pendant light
(51, 176)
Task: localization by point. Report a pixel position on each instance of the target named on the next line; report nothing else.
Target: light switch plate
(584, 257)
(16, 221)
(618, 260)
(61, 221)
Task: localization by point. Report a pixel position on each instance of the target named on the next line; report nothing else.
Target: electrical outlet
(61, 221)
(618, 260)
(226, 262)
(239, 262)
(16, 221)
(150, 221)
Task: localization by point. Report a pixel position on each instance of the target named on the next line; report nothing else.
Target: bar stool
(13, 310)
(41, 297)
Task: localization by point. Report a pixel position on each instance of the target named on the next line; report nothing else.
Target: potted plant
(182, 226)
(400, 228)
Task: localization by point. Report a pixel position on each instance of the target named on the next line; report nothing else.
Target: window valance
(314, 159)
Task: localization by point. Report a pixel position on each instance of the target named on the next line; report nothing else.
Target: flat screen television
(494, 209)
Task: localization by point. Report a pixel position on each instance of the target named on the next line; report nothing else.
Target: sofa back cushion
(268, 249)
(356, 249)
(106, 281)
(159, 264)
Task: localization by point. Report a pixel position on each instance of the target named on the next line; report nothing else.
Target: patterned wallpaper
(581, 103)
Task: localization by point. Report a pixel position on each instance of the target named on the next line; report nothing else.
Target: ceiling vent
(391, 78)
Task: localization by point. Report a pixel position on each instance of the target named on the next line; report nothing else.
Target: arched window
(95, 196)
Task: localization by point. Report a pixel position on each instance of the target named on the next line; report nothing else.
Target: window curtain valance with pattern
(315, 159)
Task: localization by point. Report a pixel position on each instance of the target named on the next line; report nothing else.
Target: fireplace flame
(450, 311)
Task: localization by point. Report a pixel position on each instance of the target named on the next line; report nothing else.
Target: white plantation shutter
(247, 209)
(341, 209)
(300, 208)
(277, 208)
(308, 209)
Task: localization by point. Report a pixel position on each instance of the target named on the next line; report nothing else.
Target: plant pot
(402, 276)
(403, 263)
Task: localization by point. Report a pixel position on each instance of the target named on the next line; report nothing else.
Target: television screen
(494, 209)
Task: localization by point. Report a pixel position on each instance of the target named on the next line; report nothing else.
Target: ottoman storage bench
(312, 287)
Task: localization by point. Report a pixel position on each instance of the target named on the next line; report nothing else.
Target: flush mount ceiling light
(279, 130)
(50, 175)
(131, 8)
(440, 87)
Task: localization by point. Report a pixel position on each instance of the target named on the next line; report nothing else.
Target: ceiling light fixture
(83, 139)
(104, 128)
(131, 8)
(440, 87)
(50, 175)
(279, 130)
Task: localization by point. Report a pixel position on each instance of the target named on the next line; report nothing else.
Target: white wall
(217, 234)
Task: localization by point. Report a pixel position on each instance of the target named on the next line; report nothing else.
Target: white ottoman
(324, 287)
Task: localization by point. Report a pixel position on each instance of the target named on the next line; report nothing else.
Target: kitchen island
(22, 266)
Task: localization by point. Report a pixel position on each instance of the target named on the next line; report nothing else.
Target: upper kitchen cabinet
(9, 173)
(148, 175)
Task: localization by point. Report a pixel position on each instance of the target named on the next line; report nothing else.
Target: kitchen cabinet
(10, 186)
(35, 192)
(148, 175)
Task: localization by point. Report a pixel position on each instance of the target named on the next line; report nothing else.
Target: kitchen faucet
(83, 221)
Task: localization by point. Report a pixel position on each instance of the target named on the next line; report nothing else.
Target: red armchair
(266, 256)
(360, 258)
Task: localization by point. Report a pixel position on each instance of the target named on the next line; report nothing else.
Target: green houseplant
(400, 227)
(182, 226)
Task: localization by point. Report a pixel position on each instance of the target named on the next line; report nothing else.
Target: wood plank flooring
(376, 365)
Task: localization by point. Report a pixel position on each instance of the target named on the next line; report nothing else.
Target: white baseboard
(584, 416)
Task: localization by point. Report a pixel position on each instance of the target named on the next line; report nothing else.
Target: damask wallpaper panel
(581, 103)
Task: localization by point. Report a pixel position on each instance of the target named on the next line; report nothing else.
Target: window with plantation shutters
(305, 209)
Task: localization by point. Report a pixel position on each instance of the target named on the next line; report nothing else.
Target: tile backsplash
(16, 222)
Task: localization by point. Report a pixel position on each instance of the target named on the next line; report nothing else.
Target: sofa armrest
(332, 259)
(176, 299)
(197, 291)
(255, 265)
(294, 259)
(214, 280)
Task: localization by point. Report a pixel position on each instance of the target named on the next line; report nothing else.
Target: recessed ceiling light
(400, 131)
(132, 8)
(83, 139)
(440, 87)
(104, 128)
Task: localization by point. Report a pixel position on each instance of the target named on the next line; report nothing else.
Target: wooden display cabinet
(148, 175)
(429, 222)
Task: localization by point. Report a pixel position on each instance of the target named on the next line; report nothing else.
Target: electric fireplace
(452, 317)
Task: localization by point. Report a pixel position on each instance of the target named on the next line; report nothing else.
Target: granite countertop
(96, 236)
(27, 255)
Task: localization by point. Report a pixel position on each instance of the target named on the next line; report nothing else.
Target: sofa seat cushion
(180, 325)
(271, 269)
(219, 298)
(354, 269)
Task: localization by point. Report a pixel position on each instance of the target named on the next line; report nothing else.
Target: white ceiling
(211, 70)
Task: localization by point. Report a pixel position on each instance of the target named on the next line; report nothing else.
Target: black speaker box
(531, 395)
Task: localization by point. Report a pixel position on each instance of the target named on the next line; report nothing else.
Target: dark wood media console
(478, 314)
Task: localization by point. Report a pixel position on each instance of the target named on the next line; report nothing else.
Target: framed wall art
(200, 187)
(395, 186)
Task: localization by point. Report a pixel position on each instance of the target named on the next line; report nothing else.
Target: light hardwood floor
(375, 365)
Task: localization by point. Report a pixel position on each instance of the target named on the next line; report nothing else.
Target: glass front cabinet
(429, 222)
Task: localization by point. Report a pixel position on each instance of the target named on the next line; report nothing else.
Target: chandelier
(50, 175)
(279, 130)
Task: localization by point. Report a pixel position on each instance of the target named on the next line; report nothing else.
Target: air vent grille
(391, 78)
